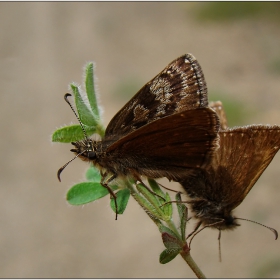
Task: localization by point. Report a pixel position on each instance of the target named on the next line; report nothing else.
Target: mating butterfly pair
(168, 130)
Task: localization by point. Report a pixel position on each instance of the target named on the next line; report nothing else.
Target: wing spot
(140, 113)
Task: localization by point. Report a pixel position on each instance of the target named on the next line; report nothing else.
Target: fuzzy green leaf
(156, 188)
(122, 200)
(93, 174)
(71, 133)
(183, 215)
(86, 116)
(173, 247)
(167, 208)
(163, 229)
(85, 192)
(170, 241)
(148, 207)
(90, 90)
(168, 255)
(152, 199)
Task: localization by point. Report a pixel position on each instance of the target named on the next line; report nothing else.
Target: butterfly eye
(91, 155)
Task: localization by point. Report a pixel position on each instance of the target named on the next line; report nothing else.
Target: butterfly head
(85, 149)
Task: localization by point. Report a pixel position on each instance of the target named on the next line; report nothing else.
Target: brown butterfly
(165, 130)
(243, 155)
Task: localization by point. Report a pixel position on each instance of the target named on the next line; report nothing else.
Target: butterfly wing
(217, 106)
(244, 154)
(170, 146)
(178, 87)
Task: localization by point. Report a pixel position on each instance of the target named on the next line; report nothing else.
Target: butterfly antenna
(220, 251)
(82, 126)
(62, 168)
(272, 229)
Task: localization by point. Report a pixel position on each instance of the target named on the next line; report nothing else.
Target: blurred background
(44, 47)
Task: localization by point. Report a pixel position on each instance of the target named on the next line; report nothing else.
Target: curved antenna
(61, 168)
(272, 229)
(66, 99)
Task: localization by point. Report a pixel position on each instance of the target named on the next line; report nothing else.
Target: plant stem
(189, 260)
(186, 252)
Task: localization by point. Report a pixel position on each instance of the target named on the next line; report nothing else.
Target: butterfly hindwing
(188, 141)
(217, 106)
(244, 154)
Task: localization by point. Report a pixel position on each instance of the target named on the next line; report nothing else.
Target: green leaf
(183, 215)
(152, 199)
(90, 90)
(171, 242)
(173, 247)
(93, 174)
(167, 208)
(168, 255)
(156, 188)
(85, 192)
(71, 133)
(147, 206)
(163, 229)
(122, 200)
(86, 116)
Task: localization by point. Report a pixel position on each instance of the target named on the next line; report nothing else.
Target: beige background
(44, 47)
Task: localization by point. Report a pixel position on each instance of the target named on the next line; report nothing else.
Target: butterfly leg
(170, 189)
(196, 228)
(196, 231)
(146, 187)
(104, 182)
(220, 252)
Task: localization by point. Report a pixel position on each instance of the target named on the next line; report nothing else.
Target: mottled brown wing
(244, 154)
(178, 87)
(168, 147)
(217, 106)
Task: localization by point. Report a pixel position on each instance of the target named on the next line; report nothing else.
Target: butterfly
(165, 130)
(243, 155)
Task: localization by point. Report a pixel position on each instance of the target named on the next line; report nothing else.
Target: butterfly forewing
(170, 146)
(179, 87)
